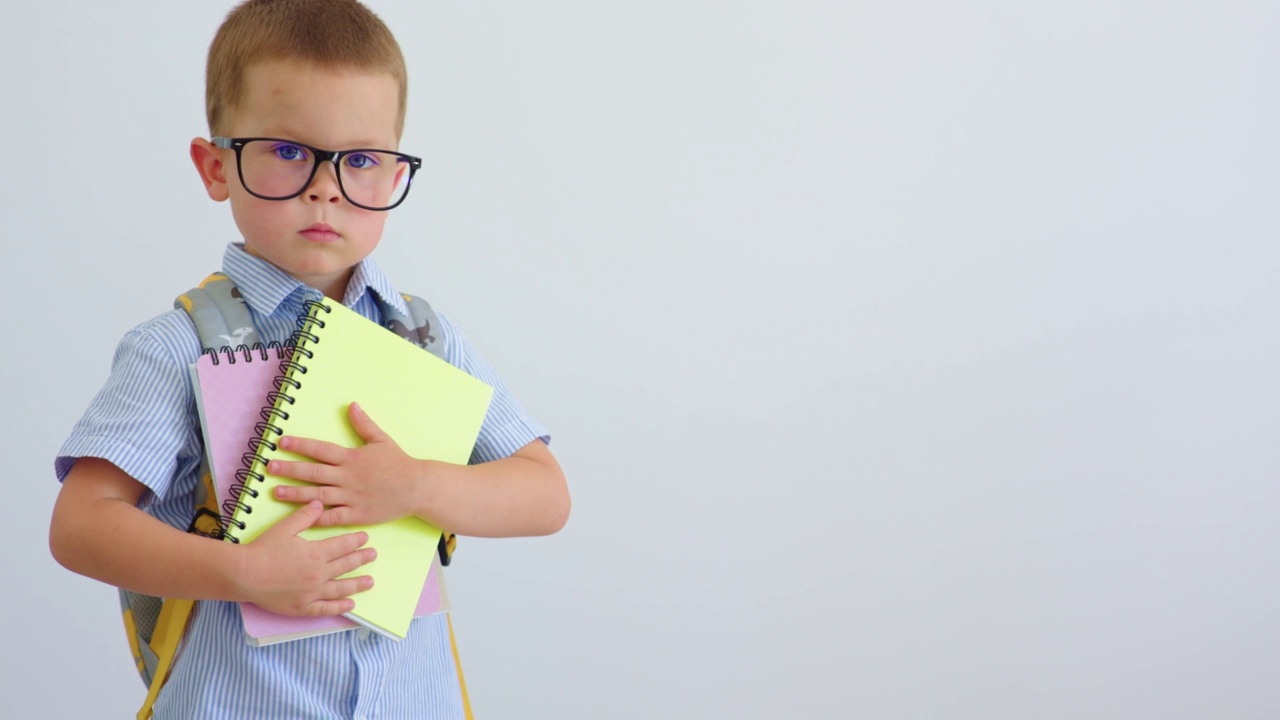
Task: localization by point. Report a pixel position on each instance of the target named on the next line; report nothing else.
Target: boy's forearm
(125, 547)
(521, 495)
(98, 531)
(106, 537)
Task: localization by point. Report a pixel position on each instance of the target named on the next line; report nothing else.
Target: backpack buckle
(207, 523)
(448, 541)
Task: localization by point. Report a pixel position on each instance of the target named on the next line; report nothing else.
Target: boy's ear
(208, 162)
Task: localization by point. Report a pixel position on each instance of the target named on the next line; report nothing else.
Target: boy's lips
(320, 232)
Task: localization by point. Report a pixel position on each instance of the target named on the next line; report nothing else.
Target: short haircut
(331, 34)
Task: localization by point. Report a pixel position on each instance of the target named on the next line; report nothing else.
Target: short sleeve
(507, 427)
(143, 420)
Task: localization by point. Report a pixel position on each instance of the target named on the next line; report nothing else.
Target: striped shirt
(144, 421)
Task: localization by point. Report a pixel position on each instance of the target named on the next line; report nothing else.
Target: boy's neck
(334, 286)
(335, 289)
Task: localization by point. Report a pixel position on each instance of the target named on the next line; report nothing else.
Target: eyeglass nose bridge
(334, 157)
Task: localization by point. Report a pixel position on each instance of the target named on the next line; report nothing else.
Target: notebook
(231, 388)
(432, 409)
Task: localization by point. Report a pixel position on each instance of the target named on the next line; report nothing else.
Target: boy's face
(317, 237)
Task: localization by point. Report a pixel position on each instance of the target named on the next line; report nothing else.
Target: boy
(305, 75)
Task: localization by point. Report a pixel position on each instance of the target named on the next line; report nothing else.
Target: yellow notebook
(430, 408)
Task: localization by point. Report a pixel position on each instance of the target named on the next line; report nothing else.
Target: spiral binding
(247, 352)
(291, 354)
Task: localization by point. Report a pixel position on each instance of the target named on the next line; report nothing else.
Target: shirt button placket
(368, 653)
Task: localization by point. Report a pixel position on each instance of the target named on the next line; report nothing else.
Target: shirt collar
(369, 277)
(265, 287)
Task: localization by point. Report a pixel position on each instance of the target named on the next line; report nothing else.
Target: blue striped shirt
(144, 421)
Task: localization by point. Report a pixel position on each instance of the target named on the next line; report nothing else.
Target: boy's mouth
(321, 232)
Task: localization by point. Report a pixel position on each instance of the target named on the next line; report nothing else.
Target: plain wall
(912, 359)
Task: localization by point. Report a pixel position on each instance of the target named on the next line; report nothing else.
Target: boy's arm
(524, 494)
(98, 531)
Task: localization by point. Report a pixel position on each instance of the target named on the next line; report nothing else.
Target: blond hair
(332, 34)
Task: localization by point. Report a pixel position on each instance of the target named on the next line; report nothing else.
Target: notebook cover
(230, 396)
(432, 410)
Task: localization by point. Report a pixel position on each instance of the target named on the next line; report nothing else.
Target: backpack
(155, 626)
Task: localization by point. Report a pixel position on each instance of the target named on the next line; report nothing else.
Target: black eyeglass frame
(320, 156)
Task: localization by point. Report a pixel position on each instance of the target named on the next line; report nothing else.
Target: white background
(912, 359)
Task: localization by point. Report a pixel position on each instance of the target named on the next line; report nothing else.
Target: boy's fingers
(302, 518)
(340, 515)
(337, 547)
(332, 607)
(326, 494)
(346, 587)
(364, 425)
(325, 452)
(349, 562)
(307, 471)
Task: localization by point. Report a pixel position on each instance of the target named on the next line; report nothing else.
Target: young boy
(310, 77)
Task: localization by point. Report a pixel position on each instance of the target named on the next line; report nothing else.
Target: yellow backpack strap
(169, 630)
(175, 613)
(457, 662)
(155, 655)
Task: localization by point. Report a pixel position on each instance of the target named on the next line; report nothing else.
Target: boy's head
(335, 35)
(305, 101)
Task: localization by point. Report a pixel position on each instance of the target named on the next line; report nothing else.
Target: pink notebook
(231, 392)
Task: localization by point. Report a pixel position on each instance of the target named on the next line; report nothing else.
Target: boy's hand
(291, 575)
(368, 485)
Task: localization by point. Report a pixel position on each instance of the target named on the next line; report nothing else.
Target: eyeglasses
(276, 169)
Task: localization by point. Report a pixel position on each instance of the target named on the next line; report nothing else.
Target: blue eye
(288, 152)
(361, 161)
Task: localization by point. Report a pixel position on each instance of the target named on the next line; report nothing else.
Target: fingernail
(356, 406)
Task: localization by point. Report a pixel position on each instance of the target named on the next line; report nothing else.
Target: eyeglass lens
(277, 169)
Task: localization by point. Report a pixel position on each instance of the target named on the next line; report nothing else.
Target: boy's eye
(361, 161)
(285, 151)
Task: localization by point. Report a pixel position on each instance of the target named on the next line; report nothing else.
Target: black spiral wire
(292, 354)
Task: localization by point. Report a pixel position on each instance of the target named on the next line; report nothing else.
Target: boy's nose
(324, 186)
